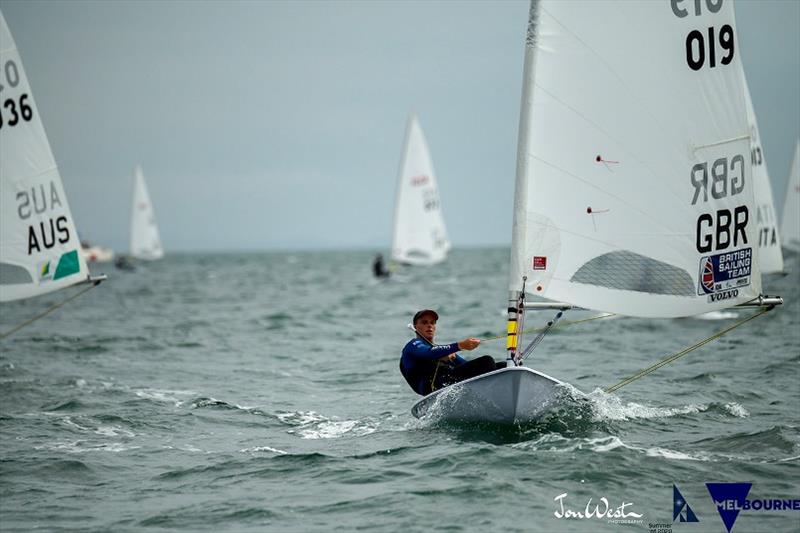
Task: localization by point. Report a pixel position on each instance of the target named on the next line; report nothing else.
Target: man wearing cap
(427, 366)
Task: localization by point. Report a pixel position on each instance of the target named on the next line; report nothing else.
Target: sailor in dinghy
(428, 367)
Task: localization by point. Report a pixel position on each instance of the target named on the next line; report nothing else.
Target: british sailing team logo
(722, 275)
(680, 507)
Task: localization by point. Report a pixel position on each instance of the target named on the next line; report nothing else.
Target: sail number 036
(702, 48)
(13, 110)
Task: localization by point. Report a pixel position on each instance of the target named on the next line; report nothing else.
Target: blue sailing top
(418, 361)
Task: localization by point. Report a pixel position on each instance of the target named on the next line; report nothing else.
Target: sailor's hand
(448, 358)
(469, 343)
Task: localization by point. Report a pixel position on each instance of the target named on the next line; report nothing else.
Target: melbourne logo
(729, 499)
(680, 507)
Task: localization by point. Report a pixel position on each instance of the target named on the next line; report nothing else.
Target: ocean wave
(85, 446)
(312, 425)
(610, 407)
(164, 395)
(560, 444)
(262, 449)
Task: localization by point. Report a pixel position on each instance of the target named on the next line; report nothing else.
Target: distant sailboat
(633, 193)
(96, 254)
(39, 246)
(145, 239)
(770, 256)
(790, 224)
(420, 237)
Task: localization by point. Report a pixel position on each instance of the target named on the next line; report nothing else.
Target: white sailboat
(634, 191)
(790, 222)
(420, 237)
(145, 239)
(770, 255)
(39, 246)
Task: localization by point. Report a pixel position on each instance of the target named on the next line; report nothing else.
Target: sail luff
(519, 226)
(398, 192)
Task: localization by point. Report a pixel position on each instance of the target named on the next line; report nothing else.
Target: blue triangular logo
(681, 508)
(729, 499)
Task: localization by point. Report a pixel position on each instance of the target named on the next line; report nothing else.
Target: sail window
(13, 275)
(625, 270)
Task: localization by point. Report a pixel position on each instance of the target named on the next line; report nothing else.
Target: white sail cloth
(790, 222)
(39, 246)
(145, 238)
(634, 189)
(420, 236)
(770, 255)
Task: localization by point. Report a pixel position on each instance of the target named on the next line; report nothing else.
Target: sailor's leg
(475, 367)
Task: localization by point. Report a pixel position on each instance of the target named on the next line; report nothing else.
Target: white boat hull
(515, 395)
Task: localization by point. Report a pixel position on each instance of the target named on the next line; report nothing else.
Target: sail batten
(634, 190)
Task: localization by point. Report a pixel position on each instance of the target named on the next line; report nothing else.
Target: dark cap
(420, 314)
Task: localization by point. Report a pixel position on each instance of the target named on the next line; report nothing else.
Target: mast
(516, 285)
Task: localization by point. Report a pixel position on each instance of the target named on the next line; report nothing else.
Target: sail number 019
(701, 49)
(696, 46)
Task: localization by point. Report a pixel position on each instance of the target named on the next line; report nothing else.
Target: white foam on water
(609, 407)
(257, 449)
(113, 431)
(82, 446)
(299, 418)
(736, 410)
(559, 444)
(69, 422)
(675, 455)
(165, 396)
(313, 425)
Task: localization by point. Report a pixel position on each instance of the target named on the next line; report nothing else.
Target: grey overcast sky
(279, 125)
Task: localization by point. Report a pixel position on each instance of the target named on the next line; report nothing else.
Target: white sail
(39, 247)
(634, 191)
(420, 237)
(790, 222)
(770, 255)
(145, 239)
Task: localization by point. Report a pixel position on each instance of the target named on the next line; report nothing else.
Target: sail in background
(790, 224)
(634, 192)
(39, 247)
(420, 237)
(145, 239)
(770, 255)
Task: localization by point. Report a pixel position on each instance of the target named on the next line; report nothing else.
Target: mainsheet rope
(667, 360)
(48, 311)
(675, 357)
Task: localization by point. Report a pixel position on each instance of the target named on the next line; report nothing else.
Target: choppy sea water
(260, 392)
